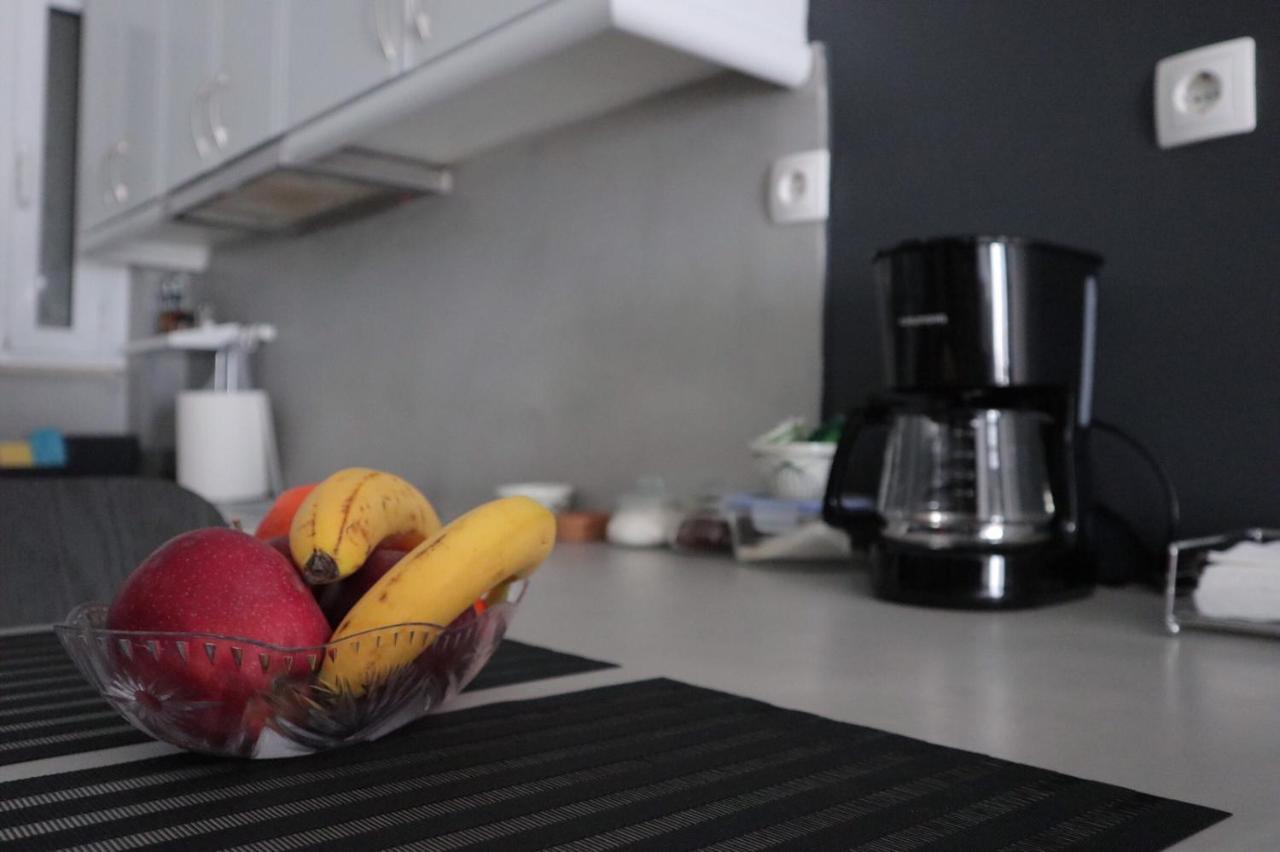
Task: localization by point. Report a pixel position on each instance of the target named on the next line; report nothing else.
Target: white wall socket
(800, 187)
(1206, 93)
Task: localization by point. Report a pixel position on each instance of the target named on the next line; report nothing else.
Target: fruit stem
(320, 569)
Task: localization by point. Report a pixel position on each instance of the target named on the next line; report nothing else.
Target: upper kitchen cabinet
(491, 72)
(225, 76)
(286, 115)
(433, 27)
(121, 107)
(338, 49)
(57, 311)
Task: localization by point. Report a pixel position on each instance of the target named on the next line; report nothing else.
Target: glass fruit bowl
(239, 698)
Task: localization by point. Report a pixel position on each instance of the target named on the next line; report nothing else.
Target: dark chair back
(64, 541)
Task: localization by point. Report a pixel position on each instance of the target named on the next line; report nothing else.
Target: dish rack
(1187, 560)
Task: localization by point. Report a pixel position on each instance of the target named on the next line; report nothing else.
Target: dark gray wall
(1035, 118)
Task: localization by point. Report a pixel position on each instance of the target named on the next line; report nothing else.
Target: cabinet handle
(104, 170)
(119, 189)
(194, 115)
(213, 104)
(389, 51)
(421, 19)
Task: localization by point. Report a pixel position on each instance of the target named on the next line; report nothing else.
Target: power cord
(1173, 509)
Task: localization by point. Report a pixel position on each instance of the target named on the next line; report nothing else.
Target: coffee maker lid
(977, 240)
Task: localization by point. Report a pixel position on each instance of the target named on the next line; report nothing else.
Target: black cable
(1120, 569)
(1174, 510)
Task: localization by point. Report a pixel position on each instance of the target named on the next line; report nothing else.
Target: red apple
(213, 581)
(336, 599)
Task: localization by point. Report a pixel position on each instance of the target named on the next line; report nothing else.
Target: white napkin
(1241, 582)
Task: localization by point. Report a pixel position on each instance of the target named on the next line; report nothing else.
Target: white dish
(556, 496)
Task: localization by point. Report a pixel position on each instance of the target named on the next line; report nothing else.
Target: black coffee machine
(983, 492)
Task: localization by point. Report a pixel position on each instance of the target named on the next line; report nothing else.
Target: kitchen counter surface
(1094, 688)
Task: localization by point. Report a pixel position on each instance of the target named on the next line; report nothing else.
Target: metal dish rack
(1187, 560)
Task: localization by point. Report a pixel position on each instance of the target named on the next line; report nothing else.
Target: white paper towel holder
(213, 424)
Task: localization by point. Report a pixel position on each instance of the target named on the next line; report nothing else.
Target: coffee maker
(983, 494)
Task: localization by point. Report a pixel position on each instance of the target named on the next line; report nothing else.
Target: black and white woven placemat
(48, 709)
(654, 764)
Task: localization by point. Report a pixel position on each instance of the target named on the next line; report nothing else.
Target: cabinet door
(101, 124)
(54, 309)
(190, 41)
(247, 105)
(339, 49)
(139, 160)
(437, 26)
(121, 99)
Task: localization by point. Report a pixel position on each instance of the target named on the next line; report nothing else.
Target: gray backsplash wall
(75, 402)
(604, 302)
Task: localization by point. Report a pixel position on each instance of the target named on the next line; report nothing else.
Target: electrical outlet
(799, 187)
(1206, 93)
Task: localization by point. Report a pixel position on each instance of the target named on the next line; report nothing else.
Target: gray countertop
(1094, 688)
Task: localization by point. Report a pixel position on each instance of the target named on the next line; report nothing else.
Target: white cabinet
(249, 81)
(258, 98)
(57, 311)
(120, 158)
(338, 49)
(142, 97)
(225, 89)
(434, 27)
(189, 69)
(100, 112)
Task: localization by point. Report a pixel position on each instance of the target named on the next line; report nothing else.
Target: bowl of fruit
(365, 615)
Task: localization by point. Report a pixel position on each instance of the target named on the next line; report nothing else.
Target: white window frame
(99, 311)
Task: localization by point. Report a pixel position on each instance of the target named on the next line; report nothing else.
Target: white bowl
(556, 496)
(795, 471)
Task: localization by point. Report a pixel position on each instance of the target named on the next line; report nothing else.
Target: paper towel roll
(225, 444)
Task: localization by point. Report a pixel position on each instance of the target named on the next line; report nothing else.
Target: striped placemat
(650, 765)
(47, 708)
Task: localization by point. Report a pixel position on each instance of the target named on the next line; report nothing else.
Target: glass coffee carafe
(966, 476)
(974, 486)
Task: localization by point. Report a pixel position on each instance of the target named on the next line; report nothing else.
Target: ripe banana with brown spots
(345, 517)
(502, 540)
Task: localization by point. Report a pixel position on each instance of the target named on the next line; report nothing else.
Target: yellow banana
(435, 583)
(343, 518)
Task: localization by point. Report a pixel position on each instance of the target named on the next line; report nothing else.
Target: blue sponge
(48, 449)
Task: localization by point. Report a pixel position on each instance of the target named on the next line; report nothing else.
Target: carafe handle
(861, 524)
